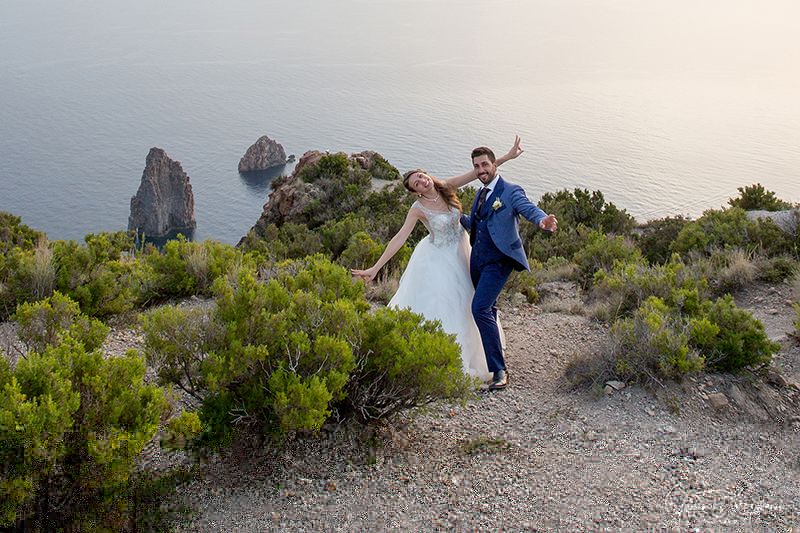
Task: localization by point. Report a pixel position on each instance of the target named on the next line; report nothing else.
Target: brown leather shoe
(500, 380)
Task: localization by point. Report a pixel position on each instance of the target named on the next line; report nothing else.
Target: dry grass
(197, 265)
(795, 284)
(43, 273)
(739, 272)
(383, 288)
(559, 272)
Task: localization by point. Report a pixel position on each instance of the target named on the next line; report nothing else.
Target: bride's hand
(516, 150)
(367, 275)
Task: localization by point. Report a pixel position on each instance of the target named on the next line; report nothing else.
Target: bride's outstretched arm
(463, 179)
(394, 245)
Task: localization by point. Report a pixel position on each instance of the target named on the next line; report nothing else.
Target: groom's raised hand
(549, 223)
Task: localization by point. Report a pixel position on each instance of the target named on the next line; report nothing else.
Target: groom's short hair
(482, 150)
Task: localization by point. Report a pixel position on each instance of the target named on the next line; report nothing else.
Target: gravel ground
(537, 456)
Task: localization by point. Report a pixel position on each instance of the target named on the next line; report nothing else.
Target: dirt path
(535, 456)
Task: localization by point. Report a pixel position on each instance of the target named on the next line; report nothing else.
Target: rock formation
(788, 220)
(164, 201)
(265, 153)
(292, 196)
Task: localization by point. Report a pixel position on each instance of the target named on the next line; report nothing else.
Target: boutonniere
(497, 204)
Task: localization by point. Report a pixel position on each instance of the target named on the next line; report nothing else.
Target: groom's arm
(524, 207)
(466, 221)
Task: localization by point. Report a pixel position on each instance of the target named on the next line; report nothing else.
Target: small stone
(776, 378)
(650, 412)
(616, 385)
(718, 400)
(772, 311)
(330, 486)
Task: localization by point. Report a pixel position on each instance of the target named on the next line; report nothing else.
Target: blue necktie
(482, 198)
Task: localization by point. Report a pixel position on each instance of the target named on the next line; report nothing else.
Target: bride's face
(420, 182)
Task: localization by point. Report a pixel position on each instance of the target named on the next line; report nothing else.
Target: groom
(496, 250)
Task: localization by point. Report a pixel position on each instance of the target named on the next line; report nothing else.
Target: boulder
(263, 154)
(787, 219)
(164, 201)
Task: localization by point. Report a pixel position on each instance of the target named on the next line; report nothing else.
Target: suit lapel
(498, 190)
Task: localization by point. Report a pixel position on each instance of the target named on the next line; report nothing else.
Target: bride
(436, 283)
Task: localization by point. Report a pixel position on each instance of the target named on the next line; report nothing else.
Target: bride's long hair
(448, 192)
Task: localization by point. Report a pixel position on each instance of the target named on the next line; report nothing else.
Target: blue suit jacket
(503, 222)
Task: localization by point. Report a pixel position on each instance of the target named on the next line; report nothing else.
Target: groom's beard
(486, 178)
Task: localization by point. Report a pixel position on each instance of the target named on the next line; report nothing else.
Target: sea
(667, 107)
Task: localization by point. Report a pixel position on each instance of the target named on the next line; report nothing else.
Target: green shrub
(629, 284)
(291, 352)
(402, 362)
(777, 269)
(17, 268)
(741, 341)
(185, 268)
(542, 245)
(525, 283)
(796, 307)
(557, 268)
(73, 422)
(756, 197)
(46, 322)
(656, 237)
(589, 209)
(653, 344)
(337, 234)
(602, 251)
(731, 229)
(15, 234)
(99, 276)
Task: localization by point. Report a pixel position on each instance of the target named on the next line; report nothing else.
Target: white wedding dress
(437, 285)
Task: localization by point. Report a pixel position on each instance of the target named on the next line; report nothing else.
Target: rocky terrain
(263, 154)
(164, 201)
(716, 452)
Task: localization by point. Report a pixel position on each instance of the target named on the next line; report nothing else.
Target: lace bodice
(444, 227)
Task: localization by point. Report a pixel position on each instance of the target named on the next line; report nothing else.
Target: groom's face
(485, 169)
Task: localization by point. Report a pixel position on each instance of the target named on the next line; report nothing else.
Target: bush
(653, 344)
(45, 323)
(72, 424)
(797, 320)
(601, 252)
(525, 283)
(17, 285)
(99, 276)
(402, 361)
(738, 272)
(756, 197)
(777, 269)
(629, 284)
(186, 268)
(287, 354)
(15, 234)
(337, 234)
(731, 229)
(740, 341)
(589, 209)
(656, 237)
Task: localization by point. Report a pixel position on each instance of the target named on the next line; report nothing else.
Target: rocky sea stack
(164, 201)
(265, 153)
